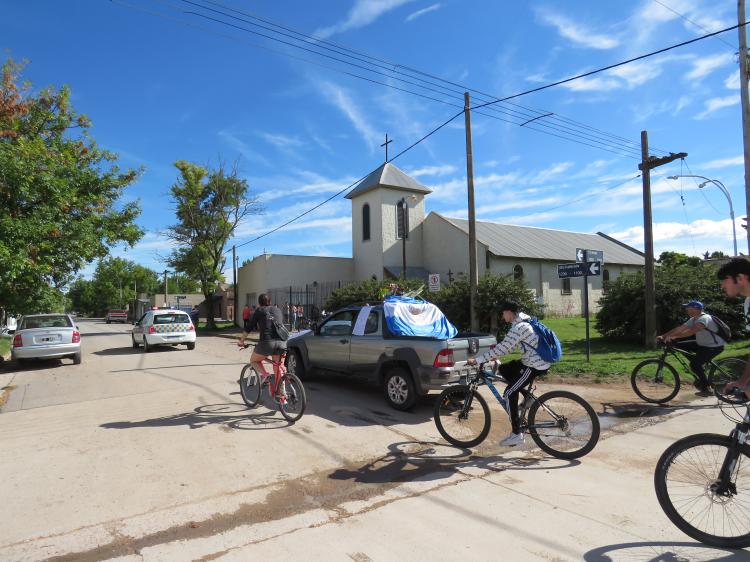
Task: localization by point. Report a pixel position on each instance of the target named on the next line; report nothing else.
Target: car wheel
(295, 366)
(399, 389)
(77, 358)
(191, 345)
(146, 348)
(135, 343)
(108, 322)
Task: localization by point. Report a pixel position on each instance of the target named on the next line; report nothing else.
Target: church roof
(545, 243)
(387, 175)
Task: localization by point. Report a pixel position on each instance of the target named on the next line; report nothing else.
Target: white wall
(368, 255)
(392, 246)
(447, 247)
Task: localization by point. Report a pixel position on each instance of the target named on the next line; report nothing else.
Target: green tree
(209, 204)
(58, 195)
(179, 283)
(367, 291)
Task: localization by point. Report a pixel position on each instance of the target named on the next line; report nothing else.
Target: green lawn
(220, 326)
(609, 358)
(5, 346)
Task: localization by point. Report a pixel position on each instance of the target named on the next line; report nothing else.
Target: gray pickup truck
(405, 367)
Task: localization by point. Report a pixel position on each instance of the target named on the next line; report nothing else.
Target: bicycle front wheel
(690, 493)
(462, 416)
(723, 371)
(291, 397)
(655, 381)
(563, 424)
(250, 384)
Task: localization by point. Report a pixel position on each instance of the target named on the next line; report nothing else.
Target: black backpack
(722, 330)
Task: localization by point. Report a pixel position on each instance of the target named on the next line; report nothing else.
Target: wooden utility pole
(234, 288)
(404, 231)
(744, 75)
(166, 289)
(647, 164)
(473, 271)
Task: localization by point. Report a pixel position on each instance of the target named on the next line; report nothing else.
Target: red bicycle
(284, 388)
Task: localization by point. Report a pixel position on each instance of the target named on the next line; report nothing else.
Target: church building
(388, 222)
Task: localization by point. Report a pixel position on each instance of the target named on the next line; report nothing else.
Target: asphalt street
(136, 456)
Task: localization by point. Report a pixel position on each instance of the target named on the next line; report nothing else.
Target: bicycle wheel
(291, 397)
(655, 381)
(686, 483)
(723, 371)
(563, 424)
(250, 385)
(458, 418)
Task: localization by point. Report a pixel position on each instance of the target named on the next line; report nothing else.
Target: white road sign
(434, 282)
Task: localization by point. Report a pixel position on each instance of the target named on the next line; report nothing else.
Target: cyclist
(735, 280)
(269, 345)
(706, 345)
(518, 373)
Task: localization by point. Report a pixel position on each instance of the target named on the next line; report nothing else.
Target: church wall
(445, 247)
(392, 246)
(368, 255)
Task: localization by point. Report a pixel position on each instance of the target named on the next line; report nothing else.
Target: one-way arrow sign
(594, 267)
(565, 270)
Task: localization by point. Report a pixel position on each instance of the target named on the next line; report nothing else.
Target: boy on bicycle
(269, 345)
(706, 345)
(518, 373)
(735, 280)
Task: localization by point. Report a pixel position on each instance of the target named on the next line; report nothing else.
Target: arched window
(518, 272)
(402, 220)
(605, 280)
(366, 222)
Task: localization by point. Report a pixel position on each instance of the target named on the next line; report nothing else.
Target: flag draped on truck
(407, 316)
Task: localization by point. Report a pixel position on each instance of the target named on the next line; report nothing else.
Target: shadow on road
(663, 551)
(645, 410)
(33, 365)
(418, 460)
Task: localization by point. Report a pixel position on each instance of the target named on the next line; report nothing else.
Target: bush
(369, 291)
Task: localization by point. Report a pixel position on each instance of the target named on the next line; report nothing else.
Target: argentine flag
(407, 316)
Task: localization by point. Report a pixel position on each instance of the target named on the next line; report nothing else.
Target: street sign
(565, 270)
(590, 255)
(434, 282)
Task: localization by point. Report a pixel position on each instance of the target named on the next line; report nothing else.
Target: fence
(312, 297)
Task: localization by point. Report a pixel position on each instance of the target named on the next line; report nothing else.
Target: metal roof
(387, 175)
(544, 243)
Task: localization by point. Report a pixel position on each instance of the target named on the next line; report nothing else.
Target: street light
(724, 190)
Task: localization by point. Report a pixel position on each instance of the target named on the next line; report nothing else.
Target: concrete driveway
(153, 456)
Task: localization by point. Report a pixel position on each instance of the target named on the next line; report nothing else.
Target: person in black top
(269, 345)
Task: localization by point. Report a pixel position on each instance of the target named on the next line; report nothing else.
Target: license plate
(49, 339)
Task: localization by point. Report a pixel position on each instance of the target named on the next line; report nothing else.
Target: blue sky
(161, 84)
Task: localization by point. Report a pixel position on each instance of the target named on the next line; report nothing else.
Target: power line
(696, 24)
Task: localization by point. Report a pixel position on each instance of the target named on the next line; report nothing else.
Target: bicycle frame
(724, 485)
(278, 371)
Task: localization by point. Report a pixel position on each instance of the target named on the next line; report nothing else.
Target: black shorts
(270, 347)
(246, 325)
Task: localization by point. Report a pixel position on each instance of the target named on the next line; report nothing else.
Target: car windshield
(52, 321)
(171, 319)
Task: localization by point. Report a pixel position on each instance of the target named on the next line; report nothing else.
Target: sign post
(588, 262)
(434, 282)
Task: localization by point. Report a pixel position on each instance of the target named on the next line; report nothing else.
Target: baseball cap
(693, 304)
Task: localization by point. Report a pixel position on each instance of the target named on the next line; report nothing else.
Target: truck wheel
(295, 365)
(400, 392)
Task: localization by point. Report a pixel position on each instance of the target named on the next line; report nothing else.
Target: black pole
(586, 301)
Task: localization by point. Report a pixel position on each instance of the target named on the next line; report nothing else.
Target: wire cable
(696, 24)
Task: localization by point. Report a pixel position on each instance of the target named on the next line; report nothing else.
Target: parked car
(46, 336)
(116, 315)
(163, 327)
(405, 367)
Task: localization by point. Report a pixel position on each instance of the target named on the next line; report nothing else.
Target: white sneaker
(512, 440)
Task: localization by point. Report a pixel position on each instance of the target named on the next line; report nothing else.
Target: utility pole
(647, 164)
(473, 271)
(234, 288)
(166, 289)
(744, 75)
(403, 218)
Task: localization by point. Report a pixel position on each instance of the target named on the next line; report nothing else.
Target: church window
(518, 272)
(365, 222)
(402, 220)
(566, 286)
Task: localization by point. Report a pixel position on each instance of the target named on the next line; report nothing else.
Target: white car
(46, 336)
(163, 327)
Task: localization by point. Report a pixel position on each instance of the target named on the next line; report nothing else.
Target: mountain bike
(702, 482)
(656, 381)
(561, 423)
(284, 388)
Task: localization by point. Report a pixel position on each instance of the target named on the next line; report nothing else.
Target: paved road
(153, 456)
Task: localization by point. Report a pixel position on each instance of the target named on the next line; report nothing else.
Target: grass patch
(221, 326)
(5, 346)
(610, 359)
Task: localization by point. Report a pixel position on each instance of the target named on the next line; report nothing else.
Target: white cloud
(664, 231)
(363, 13)
(341, 99)
(724, 163)
(706, 65)
(423, 11)
(576, 32)
(433, 170)
(733, 80)
(636, 73)
(596, 84)
(715, 104)
(552, 171)
(243, 148)
(281, 141)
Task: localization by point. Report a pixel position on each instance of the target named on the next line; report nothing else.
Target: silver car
(46, 336)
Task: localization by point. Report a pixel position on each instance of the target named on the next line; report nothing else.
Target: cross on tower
(385, 144)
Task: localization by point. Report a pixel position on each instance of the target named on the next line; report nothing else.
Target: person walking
(246, 314)
(294, 318)
(735, 281)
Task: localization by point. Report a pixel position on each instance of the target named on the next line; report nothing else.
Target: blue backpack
(549, 348)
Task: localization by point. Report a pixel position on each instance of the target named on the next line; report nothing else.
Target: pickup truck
(114, 315)
(405, 367)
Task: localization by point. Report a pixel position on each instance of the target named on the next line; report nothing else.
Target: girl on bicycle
(269, 345)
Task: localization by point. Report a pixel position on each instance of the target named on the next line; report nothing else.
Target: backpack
(549, 348)
(722, 330)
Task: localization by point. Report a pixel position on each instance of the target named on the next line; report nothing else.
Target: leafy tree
(179, 283)
(58, 195)
(678, 280)
(209, 204)
(369, 291)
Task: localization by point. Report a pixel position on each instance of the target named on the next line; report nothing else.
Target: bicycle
(284, 388)
(656, 381)
(702, 483)
(561, 423)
